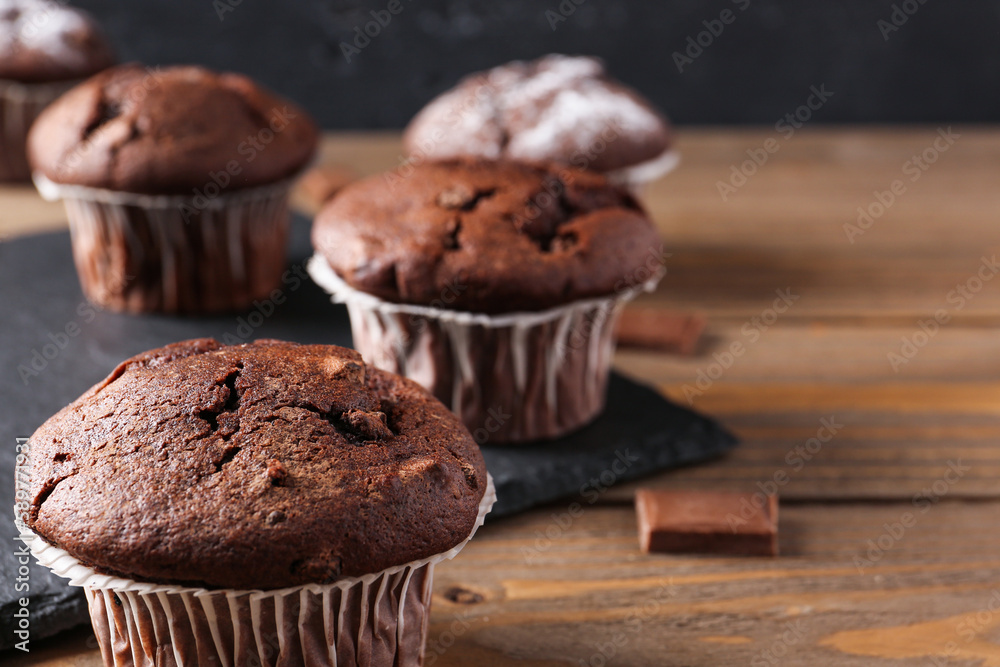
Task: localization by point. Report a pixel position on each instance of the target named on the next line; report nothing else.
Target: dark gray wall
(942, 64)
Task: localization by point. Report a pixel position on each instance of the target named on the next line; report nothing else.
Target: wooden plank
(832, 283)
(702, 610)
(792, 353)
(539, 601)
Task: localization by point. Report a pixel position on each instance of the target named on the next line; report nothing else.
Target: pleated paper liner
(375, 620)
(20, 105)
(512, 378)
(178, 254)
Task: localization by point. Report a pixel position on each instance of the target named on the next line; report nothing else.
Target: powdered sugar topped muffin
(45, 47)
(48, 41)
(560, 108)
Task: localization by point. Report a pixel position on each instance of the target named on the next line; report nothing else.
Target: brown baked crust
(488, 237)
(170, 131)
(44, 42)
(561, 108)
(256, 466)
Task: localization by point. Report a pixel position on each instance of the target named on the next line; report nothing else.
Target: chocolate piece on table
(716, 522)
(663, 330)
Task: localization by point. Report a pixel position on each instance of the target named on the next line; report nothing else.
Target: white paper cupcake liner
(511, 378)
(176, 253)
(20, 105)
(638, 175)
(375, 620)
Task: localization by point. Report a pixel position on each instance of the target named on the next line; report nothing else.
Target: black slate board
(41, 305)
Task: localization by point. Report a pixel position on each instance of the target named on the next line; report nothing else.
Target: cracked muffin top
(486, 236)
(176, 130)
(42, 42)
(561, 108)
(256, 466)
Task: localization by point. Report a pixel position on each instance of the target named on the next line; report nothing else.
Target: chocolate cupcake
(45, 47)
(176, 185)
(496, 285)
(268, 503)
(558, 108)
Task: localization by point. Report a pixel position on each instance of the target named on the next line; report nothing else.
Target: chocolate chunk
(663, 330)
(716, 522)
(368, 425)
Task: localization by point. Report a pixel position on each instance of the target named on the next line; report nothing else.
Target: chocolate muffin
(515, 236)
(45, 47)
(176, 185)
(560, 108)
(168, 131)
(266, 466)
(495, 284)
(254, 466)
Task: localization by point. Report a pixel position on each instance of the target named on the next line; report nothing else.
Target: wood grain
(854, 586)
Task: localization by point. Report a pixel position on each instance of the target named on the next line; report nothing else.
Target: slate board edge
(666, 455)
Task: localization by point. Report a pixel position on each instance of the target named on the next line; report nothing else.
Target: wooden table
(889, 529)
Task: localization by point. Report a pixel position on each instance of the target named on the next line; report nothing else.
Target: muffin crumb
(276, 473)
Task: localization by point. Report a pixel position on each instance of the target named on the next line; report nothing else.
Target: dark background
(943, 64)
